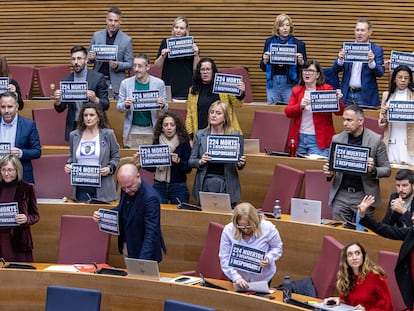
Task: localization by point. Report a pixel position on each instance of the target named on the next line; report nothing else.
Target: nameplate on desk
(225, 148)
(246, 258)
(400, 111)
(180, 47)
(104, 52)
(8, 212)
(324, 101)
(109, 221)
(356, 52)
(283, 54)
(401, 58)
(85, 175)
(227, 84)
(145, 100)
(349, 158)
(154, 155)
(71, 91)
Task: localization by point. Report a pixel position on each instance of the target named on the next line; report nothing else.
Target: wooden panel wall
(40, 33)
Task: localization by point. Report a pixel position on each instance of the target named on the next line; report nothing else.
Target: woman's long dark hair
(393, 85)
(179, 126)
(197, 82)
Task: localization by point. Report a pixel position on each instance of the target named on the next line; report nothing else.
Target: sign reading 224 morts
(8, 212)
(108, 221)
(246, 258)
(145, 100)
(349, 158)
(224, 149)
(154, 155)
(4, 84)
(283, 54)
(5, 149)
(401, 58)
(324, 101)
(400, 111)
(356, 52)
(180, 47)
(72, 91)
(85, 175)
(105, 53)
(226, 84)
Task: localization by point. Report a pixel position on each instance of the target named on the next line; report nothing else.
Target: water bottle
(277, 210)
(292, 148)
(287, 289)
(111, 94)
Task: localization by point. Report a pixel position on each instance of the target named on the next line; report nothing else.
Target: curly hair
(179, 124)
(197, 82)
(345, 275)
(103, 120)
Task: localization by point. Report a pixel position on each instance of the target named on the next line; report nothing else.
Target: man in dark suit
(348, 189)
(139, 217)
(20, 132)
(404, 269)
(97, 89)
(359, 80)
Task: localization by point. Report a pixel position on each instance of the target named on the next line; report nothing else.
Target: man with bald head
(139, 216)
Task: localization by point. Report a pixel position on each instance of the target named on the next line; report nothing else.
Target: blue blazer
(27, 139)
(141, 228)
(369, 76)
(96, 83)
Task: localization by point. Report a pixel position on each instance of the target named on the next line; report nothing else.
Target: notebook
(140, 139)
(304, 210)
(251, 146)
(147, 269)
(215, 202)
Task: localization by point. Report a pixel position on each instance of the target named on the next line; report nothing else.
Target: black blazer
(393, 218)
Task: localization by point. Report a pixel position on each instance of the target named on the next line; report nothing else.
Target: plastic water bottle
(277, 210)
(287, 289)
(292, 148)
(111, 94)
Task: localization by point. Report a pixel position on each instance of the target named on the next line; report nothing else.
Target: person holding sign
(201, 96)
(171, 181)
(249, 247)
(13, 86)
(282, 73)
(399, 136)
(359, 80)
(97, 90)
(178, 71)
(349, 186)
(214, 176)
(138, 118)
(94, 143)
(361, 282)
(312, 130)
(16, 242)
(112, 36)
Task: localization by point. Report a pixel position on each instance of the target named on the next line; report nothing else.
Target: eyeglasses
(308, 71)
(205, 69)
(8, 170)
(244, 227)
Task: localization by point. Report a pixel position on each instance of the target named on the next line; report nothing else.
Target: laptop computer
(304, 210)
(140, 139)
(215, 202)
(251, 146)
(147, 269)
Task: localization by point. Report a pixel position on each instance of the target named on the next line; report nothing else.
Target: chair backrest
(324, 273)
(372, 124)
(244, 72)
(174, 305)
(286, 184)
(209, 262)
(81, 241)
(24, 75)
(180, 111)
(64, 298)
(51, 126)
(50, 75)
(317, 188)
(388, 260)
(51, 181)
(272, 128)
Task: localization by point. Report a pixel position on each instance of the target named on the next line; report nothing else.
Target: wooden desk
(185, 232)
(26, 290)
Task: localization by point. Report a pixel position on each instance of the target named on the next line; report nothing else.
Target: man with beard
(97, 89)
(400, 206)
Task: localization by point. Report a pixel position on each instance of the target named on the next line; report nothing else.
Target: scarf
(163, 173)
(292, 70)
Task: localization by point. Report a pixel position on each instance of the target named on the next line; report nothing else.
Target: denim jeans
(354, 98)
(169, 192)
(280, 92)
(308, 145)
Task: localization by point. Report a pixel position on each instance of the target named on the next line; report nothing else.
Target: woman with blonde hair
(212, 176)
(360, 282)
(249, 230)
(281, 78)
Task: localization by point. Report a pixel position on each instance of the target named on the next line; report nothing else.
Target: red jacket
(324, 128)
